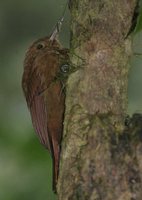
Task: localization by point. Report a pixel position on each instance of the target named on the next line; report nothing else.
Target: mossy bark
(99, 160)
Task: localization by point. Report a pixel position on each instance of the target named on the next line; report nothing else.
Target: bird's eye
(64, 68)
(40, 46)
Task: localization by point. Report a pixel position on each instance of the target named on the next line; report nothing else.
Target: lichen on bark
(96, 163)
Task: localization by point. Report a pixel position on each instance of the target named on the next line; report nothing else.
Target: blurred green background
(135, 77)
(25, 166)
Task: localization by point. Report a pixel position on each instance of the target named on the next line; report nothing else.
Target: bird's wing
(33, 90)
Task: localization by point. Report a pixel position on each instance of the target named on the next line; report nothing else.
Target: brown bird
(46, 69)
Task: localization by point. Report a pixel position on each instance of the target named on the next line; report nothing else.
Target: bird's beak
(56, 30)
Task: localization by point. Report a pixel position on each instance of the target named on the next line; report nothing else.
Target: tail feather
(55, 157)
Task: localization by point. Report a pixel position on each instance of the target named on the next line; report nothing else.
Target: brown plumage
(45, 70)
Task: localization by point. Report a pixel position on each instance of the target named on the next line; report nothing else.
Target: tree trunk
(101, 154)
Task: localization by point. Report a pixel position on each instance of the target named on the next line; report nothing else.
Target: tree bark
(101, 153)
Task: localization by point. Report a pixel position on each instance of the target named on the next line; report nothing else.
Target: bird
(46, 69)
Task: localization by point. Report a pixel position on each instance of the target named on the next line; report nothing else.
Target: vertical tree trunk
(98, 162)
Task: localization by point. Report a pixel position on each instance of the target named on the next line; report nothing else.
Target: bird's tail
(56, 156)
